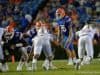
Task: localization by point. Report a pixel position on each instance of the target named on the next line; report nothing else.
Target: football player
(65, 34)
(42, 41)
(2, 64)
(85, 44)
(14, 41)
(27, 51)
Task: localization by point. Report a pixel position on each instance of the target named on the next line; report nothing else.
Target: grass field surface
(62, 69)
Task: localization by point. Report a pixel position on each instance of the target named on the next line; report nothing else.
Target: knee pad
(23, 58)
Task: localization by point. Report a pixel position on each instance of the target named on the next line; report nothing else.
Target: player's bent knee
(23, 58)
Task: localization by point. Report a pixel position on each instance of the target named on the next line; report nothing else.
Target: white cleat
(46, 66)
(19, 68)
(86, 60)
(82, 63)
(5, 67)
(70, 63)
(52, 67)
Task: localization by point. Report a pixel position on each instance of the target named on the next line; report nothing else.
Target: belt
(83, 34)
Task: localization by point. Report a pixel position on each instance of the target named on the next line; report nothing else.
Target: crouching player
(14, 41)
(6, 46)
(27, 51)
(42, 41)
(86, 35)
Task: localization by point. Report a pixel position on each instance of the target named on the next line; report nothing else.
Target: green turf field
(63, 69)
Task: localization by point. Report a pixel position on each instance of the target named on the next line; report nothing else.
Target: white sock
(46, 61)
(26, 64)
(34, 64)
(70, 60)
(20, 64)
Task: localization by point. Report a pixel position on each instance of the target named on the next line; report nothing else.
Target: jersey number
(63, 28)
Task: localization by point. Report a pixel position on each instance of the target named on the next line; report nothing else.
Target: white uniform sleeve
(28, 32)
(85, 27)
(1, 32)
(50, 36)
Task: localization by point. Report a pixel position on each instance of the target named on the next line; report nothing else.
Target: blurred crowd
(18, 13)
(23, 13)
(79, 10)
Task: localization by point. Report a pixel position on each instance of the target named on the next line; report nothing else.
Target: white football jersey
(87, 30)
(1, 32)
(42, 31)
